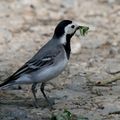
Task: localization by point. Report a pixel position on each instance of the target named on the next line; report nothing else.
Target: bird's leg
(33, 88)
(42, 90)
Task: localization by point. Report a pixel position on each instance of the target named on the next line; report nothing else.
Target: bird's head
(65, 30)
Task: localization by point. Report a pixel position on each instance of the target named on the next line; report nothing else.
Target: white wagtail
(48, 62)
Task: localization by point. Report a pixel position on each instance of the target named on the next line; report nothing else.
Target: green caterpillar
(83, 30)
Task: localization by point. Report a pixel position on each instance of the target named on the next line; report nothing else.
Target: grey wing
(35, 64)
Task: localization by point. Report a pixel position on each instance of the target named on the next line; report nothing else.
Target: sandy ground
(26, 25)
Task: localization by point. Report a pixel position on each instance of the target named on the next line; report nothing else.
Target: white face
(71, 28)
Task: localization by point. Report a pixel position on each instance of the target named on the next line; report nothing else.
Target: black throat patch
(67, 46)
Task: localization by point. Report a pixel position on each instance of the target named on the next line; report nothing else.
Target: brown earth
(26, 25)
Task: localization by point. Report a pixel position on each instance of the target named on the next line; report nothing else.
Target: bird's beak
(78, 28)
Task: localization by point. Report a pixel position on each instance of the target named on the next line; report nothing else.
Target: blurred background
(26, 25)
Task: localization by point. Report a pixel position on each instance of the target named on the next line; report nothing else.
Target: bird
(48, 62)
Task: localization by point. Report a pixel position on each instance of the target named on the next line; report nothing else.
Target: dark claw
(36, 104)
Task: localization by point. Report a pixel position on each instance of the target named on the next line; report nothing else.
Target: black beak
(78, 28)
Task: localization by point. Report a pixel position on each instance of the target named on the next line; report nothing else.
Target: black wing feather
(27, 68)
(33, 64)
(31, 67)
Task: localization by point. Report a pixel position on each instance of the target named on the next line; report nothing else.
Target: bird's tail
(5, 83)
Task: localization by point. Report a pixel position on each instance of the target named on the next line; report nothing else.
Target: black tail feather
(5, 82)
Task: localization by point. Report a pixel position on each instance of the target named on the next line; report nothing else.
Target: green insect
(83, 30)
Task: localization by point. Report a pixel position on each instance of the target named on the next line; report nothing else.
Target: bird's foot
(50, 103)
(36, 104)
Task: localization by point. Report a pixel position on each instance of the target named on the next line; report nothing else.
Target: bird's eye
(72, 26)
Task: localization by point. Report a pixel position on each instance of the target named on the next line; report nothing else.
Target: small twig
(108, 81)
(105, 83)
(115, 112)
